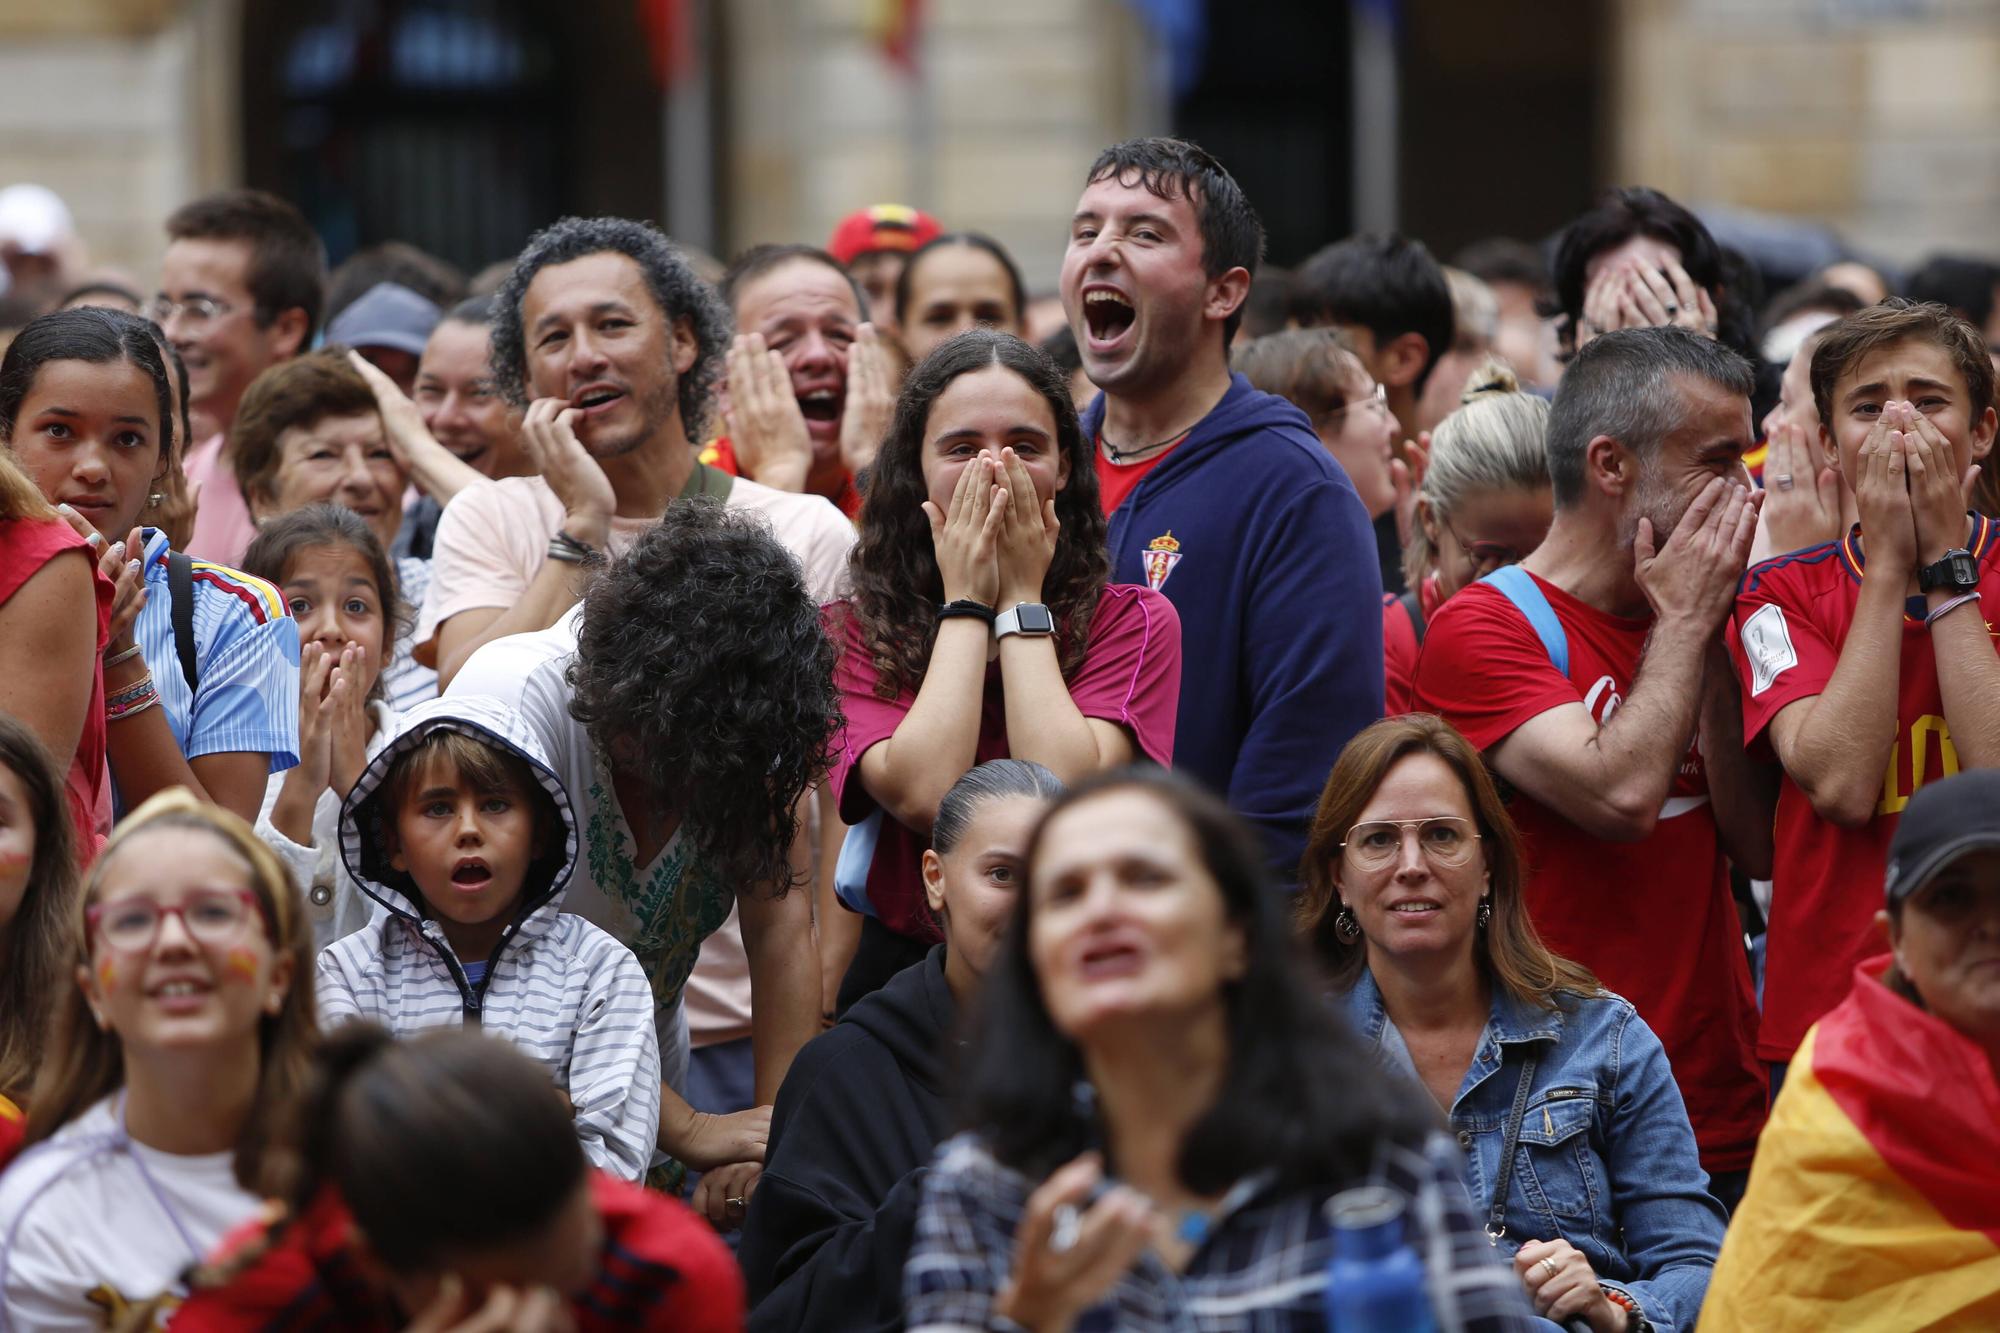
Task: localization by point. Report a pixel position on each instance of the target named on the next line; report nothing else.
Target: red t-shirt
(1400, 645)
(1792, 615)
(27, 544)
(1653, 919)
(663, 1269)
(1131, 675)
(720, 454)
(1115, 481)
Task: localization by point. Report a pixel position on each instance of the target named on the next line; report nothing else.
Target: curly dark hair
(703, 669)
(680, 292)
(897, 586)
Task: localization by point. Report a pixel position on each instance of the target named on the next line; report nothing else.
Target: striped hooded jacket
(562, 990)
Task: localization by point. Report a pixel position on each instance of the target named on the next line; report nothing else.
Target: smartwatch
(1031, 618)
(1957, 571)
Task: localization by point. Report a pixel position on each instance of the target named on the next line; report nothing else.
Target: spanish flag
(13, 1128)
(1874, 1202)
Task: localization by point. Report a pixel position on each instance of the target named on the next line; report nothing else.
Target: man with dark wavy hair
(613, 345)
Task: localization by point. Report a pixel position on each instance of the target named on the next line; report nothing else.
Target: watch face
(1034, 618)
(1964, 571)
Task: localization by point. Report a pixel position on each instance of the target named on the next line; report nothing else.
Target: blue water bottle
(1375, 1282)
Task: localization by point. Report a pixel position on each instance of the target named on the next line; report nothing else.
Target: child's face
(1911, 371)
(468, 851)
(331, 591)
(17, 843)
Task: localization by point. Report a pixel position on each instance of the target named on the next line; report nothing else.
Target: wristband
(125, 656)
(965, 606)
(571, 551)
(129, 704)
(138, 689)
(1947, 608)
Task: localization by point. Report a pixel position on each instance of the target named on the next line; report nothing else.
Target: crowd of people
(1461, 795)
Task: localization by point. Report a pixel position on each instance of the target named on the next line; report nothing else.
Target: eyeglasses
(1485, 556)
(1445, 840)
(197, 310)
(1379, 400)
(210, 916)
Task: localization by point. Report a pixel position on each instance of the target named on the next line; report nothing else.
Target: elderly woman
(1876, 1191)
(1579, 1150)
(1158, 1107)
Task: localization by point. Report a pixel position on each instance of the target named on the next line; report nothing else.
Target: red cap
(881, 227)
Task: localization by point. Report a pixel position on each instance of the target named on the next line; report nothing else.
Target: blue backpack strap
(857, 854)
(1519, 587)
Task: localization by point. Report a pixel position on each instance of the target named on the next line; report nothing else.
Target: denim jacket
(1606, 1159)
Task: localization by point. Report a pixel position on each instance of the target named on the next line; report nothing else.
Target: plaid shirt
(1261, 1270)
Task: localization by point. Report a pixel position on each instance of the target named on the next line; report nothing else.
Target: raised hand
(1669, 298)
(402, 423)
(966, 539)
(1940, 481)
(1801, 497)
(871, 400)
(1692, 579)
(347, 699)
(1028, 534)
(1067, 1256)
(766, 427)
(1882, 494)
(128, 584)
(548, 432)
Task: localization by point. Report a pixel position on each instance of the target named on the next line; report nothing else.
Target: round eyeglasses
(1444, 840)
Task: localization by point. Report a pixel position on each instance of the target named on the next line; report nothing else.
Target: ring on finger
(1550, 1264)
(1068, 1226)
(1783, 481)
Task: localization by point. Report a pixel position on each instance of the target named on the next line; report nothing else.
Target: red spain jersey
(1792, 615)
(1653, 919)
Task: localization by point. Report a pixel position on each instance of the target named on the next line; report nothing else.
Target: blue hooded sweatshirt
(1257, 537)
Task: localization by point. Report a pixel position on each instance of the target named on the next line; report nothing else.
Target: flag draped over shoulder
(1875, 1199)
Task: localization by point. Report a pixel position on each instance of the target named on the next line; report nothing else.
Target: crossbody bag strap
(1510, 1141)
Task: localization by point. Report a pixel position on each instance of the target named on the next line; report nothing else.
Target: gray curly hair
(680, 292)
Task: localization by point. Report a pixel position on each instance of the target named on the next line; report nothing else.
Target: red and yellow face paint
(107, 974)
(241, 964)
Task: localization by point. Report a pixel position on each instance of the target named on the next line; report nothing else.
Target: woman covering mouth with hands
(982, 626)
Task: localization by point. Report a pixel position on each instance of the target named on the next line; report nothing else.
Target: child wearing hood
(464, 838)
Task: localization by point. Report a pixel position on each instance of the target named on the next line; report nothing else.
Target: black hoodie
(852, 1134)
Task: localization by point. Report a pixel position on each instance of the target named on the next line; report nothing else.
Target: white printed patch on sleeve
(1767, 643)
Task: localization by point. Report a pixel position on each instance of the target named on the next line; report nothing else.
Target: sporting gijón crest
(1162, 554)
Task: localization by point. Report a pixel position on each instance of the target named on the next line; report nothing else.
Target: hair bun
(1490, 379)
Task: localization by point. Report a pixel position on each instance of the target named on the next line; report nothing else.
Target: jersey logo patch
(1767, 643)
(1161, 555)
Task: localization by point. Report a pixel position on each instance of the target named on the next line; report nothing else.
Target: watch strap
(1942, 573)
(1009, 622)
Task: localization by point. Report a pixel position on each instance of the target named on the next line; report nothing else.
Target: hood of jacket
(913, 1016)
(364, 841)
(1242, 411)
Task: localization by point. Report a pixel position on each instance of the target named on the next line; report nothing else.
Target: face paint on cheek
(242, 964)
(13, 862)
(107, 976)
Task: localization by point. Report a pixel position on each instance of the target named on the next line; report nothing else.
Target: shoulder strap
(180, 592)
(1518, 586)
(1510, 1140)
(1413, 607)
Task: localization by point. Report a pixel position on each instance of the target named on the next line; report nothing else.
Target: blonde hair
(86, 1063)
(19, 497)
(1495, 441)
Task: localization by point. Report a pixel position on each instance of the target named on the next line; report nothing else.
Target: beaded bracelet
(136, 690)
(125, 656)
(113, 713)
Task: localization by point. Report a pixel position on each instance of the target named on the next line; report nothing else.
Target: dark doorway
(457, 125)
(1272, 103)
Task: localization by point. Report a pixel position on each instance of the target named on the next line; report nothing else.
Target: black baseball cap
(1942, 822)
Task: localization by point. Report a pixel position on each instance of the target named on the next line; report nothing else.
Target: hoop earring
(1345, 927)
(1485, 913)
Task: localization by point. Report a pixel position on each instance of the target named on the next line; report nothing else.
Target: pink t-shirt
(1131, 675)
(223, 528)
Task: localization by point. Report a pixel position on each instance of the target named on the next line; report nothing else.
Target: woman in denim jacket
(1413, 903)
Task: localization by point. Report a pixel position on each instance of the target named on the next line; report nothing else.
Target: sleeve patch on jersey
(1767, 644)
